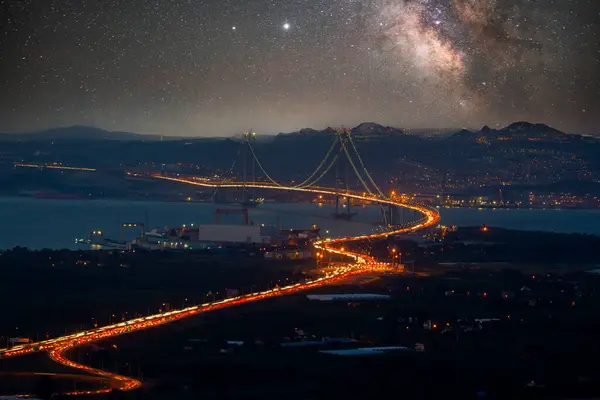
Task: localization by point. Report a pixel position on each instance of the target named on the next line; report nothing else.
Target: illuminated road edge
(57, 347)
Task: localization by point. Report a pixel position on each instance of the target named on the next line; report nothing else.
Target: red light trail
(362, 263)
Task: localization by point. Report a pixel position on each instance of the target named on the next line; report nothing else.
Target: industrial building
(203, 236)
(231, 234)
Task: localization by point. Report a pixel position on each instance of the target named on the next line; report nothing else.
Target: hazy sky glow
(218, 67)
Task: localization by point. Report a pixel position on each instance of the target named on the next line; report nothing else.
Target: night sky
(218, 67)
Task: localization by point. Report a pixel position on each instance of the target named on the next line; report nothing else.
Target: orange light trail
(361, 264)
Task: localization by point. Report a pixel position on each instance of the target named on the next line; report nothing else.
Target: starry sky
(219, 67)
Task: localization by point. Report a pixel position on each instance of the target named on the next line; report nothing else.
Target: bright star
(286, 26)
(233, 27)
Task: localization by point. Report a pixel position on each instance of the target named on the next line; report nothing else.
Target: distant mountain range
(517, 130)
(516, 158)
(374, 129)
(81, 133)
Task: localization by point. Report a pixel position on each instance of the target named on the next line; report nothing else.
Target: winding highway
(358, 264)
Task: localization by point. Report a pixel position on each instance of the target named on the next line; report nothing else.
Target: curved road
(361, 263)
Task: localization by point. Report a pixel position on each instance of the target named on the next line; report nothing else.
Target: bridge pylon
(391, 216)
(248, 196)
(343, 141)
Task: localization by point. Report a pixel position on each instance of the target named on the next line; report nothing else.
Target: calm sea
(41, 223)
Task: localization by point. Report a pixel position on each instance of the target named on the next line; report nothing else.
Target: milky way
(211, 67)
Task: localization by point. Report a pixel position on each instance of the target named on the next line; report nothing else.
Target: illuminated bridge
(357, 263)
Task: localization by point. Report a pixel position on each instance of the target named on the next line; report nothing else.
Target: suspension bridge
(342, 146)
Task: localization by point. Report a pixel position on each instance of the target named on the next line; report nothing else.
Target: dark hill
(78, 132)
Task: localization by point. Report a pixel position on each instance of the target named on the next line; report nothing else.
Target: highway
(360, 263)
(57, 347)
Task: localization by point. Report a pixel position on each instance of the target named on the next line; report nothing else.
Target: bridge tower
(248, 199)
(391, 216)
(347, 214)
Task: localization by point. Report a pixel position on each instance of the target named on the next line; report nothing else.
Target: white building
(231, 234)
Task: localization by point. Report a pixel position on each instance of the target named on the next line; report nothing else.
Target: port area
(270, 241)
(217, 240)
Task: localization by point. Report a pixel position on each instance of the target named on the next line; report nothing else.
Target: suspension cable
(261, 167)
(303, 184)
(331, 164)
(365, 168)
(230, 170)
(354, 168)
(360, 177)
(306, 183)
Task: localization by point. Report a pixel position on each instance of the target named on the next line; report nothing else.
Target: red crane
(230, 211)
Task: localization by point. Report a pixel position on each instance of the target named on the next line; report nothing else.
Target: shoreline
(521, 208)
(137, 199)
(183, 201)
